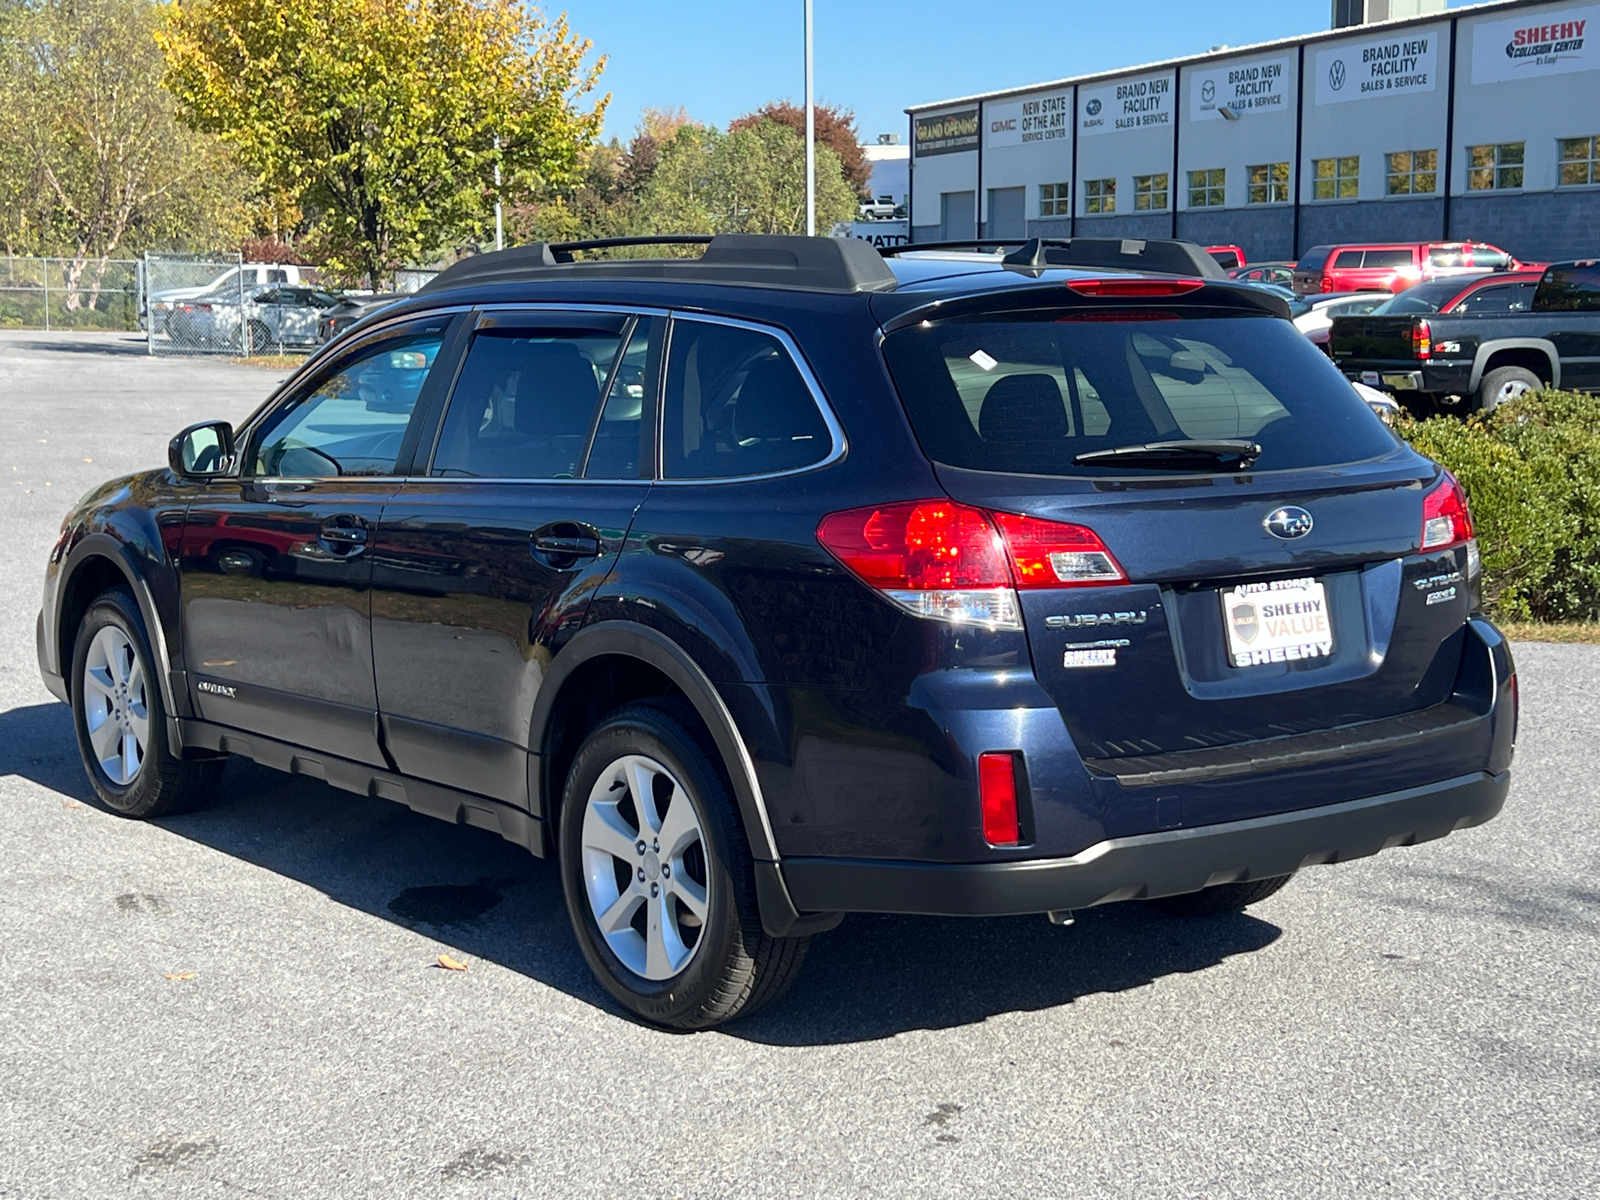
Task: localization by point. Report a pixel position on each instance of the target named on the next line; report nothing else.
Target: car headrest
(775, 403)
(1023, 408)
(556, 392)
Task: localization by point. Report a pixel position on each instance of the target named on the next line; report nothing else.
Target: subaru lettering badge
(1288, 522)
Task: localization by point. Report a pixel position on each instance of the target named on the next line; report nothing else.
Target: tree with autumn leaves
(387, 118)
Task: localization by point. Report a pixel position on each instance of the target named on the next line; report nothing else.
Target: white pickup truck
(247, 277)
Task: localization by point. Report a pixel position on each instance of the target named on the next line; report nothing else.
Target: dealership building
(1479, 123)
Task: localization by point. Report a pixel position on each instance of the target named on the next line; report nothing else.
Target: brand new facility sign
(1540, 43)
(948, 133)
(1400, 65)
(1043, 118)
(1126, 107)
(1248, 85)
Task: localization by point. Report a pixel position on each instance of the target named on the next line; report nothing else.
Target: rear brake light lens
(1134, 287)
(954, 562)
(1327, 283)
(1446, 520)
(1049, 554)
(997, 796)
(1421, 339)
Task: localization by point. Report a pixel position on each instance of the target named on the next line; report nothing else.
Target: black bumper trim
(1152, 864)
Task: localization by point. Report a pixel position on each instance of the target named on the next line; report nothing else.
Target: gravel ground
(246, 1000)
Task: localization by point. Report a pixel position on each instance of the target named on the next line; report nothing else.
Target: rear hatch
(1375, 339)
(1256, 598)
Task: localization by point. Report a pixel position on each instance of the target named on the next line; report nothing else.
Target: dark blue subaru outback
(787, 581)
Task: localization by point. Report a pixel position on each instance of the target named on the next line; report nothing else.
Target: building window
(1206, 188)
(1580, 161)
(1055, 199)
(1269, 184)
(1413, 173)
(1335, 178)
(1491, 167)
(1099, 195)
(1149, 192)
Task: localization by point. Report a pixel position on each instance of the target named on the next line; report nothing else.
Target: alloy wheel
(1510, 390)
(116, 710)
(644, 867)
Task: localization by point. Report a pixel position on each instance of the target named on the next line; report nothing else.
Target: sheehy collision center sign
(1537, 44)
(1125, 107)
(1248, 85)
(1402, 64)
(1043, 118)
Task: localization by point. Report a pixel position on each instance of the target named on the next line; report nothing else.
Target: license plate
(1400, 383)
(1370, 378)
(1283, 621)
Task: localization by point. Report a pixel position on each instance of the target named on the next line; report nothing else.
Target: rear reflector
(997, 794)
(1446, 520)
(1134, 287)
(954, 562)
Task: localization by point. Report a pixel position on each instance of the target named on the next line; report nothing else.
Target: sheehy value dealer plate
(1283, 621)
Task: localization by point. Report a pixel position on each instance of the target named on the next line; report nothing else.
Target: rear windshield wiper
(1237, 453)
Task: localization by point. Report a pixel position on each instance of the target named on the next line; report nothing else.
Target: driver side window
(352, 422)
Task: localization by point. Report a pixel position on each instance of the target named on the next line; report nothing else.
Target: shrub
(1531, 469)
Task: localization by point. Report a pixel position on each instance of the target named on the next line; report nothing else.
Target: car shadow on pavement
(95, 343)
(873, 977)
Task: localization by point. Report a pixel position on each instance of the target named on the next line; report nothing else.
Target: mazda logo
(1336, 74)
(1288, 522)
(1208, 91)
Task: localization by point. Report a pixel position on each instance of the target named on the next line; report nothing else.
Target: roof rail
(817, 264)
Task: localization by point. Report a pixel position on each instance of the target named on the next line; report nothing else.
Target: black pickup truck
(1434, 353)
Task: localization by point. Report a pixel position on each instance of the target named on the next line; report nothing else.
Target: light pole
(499, 228)
(811, 139)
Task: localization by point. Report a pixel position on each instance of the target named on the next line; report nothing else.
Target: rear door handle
(345, 536)
(557, 546)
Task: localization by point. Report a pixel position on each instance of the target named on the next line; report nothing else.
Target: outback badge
(1288, 522)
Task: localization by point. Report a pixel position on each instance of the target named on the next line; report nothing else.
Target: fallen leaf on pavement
(70, 804)
(181, 975)
(450, 964)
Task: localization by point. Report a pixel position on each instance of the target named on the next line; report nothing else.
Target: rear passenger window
(736, 405)
(1386, 258)
(1574, 288)
(524, 402)
(1347, 260)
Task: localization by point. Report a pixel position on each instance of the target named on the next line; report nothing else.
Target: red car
(1394, 266)
(1228, 257)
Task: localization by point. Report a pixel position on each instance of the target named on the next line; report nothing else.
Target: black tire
(260, 336)
(735, 968)
(163, 783)
(1223, 898)
(1501, 384)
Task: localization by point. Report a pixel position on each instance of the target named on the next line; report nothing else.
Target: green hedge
(1532, 473)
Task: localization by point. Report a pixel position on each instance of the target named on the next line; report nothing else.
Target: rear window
(1347, 260)
(1387, 258)
(1313, 259)
(1570, 289)
(1027, 392)
(1226, 258)
(1489, 256)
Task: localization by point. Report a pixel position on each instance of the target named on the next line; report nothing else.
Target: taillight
(1134, 287)
(997, 797)
(1327, 283)
(1446, 520)
(1421, 339)
(954, 562)
(1049, 554)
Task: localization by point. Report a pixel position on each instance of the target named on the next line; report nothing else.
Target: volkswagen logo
(1288, 522)
(1093, 107)
(1336, 74)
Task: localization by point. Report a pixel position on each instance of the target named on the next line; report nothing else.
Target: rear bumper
(1166, 863)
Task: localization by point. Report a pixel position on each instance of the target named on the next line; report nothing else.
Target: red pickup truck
(1395, 266)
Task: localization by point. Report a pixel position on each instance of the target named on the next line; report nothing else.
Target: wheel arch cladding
(1537, 356)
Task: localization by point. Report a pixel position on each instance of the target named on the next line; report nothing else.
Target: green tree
(92, 159)
(751, 180)
(387, 118)
(836, 129)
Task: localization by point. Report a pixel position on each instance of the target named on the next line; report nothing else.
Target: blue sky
(720, 58)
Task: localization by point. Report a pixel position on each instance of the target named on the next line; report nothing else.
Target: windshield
(1424, 298)
(1028, 392)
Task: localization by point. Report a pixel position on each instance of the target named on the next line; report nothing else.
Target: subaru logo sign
(1093, 107)
(1288, 522)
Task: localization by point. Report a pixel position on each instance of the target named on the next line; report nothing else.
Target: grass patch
(1552, 631)
(277, 362)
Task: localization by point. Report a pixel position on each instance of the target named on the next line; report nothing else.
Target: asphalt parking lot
(246, 1000)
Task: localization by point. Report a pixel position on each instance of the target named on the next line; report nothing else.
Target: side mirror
(202, 451)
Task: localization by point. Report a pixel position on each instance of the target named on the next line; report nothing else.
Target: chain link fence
(69, 293)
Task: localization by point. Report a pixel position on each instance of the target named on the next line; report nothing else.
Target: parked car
(1393, 266)
(1313, 315)
(792, 581)
(277, 316)
(335, 319)
(237, 281)
(1481, 338)
(1228, 257)
(1280, 274)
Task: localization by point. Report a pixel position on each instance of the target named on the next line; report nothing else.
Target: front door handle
(344, 536)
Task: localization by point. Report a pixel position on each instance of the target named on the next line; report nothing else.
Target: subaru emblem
(1288, 522)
